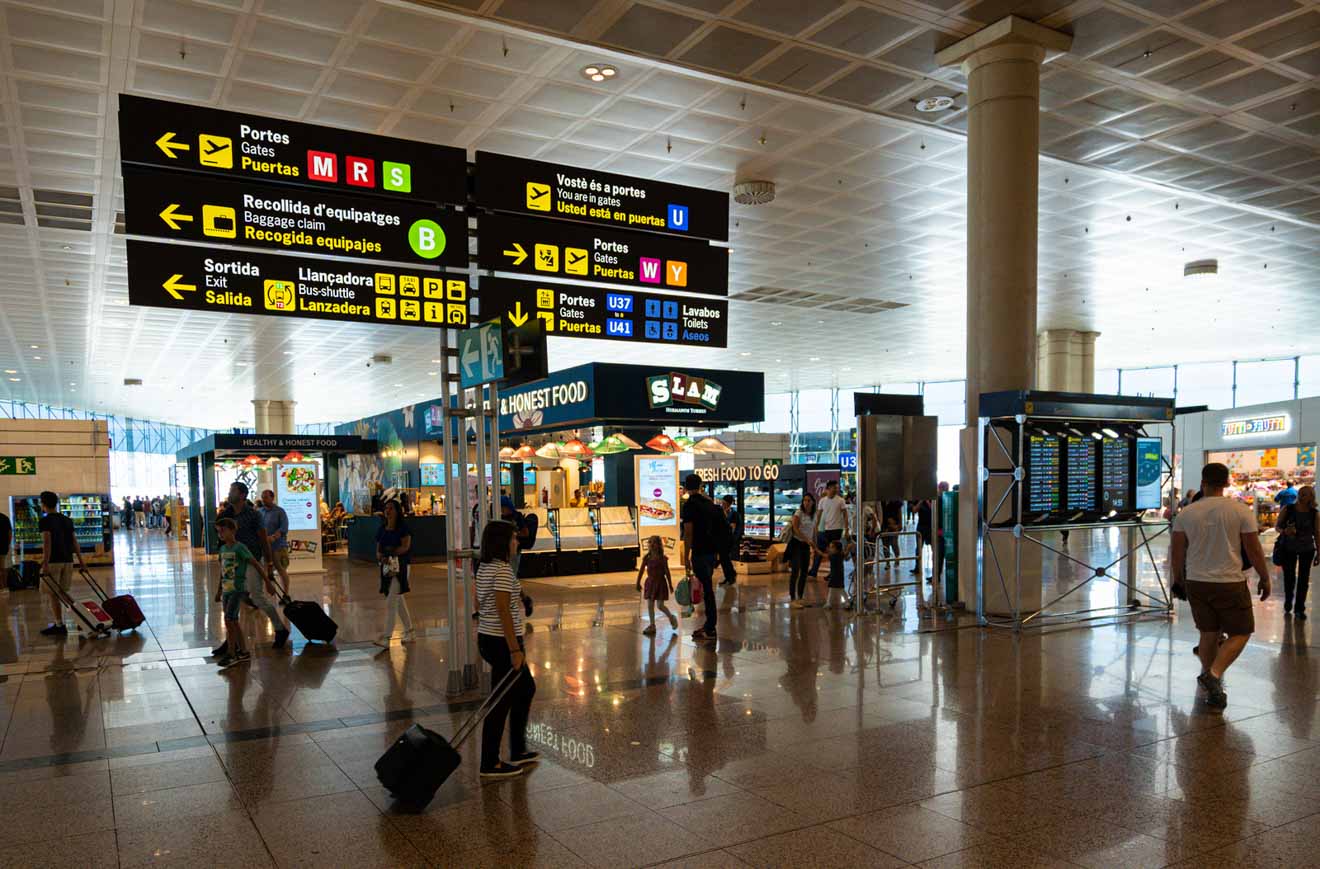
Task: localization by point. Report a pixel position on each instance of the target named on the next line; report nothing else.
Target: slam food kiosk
(1265, 447)
(635, 489)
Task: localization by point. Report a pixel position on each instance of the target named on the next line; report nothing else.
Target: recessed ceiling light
(744, 353)
(432, 373)
(776, 323)
(14, 380)
(398, 386)
(38, 358)
(598, 72)
(437, 361)
(34, 347)
(1201, 268)
(288, 352)
(813, 358)
(935, 104)
(847, 368)
(10, 371)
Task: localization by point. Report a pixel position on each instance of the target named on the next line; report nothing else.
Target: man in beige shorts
(59, 548)
(1210, 537)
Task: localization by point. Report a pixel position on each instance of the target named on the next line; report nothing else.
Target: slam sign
(666, 390)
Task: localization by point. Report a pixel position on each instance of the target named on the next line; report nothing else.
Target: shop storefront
(1265, 447)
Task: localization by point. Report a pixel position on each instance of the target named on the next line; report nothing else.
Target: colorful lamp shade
(713, 445)
(684, 443)
(609, 446)
(293, 456)
(506, 453)
(252, 460)
(626, 441)
(663, 443)
(523, 453)
(552, 451)
(575, 449)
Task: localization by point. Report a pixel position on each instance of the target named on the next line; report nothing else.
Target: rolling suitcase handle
(96, 586)
(467, 728)
(97, 630)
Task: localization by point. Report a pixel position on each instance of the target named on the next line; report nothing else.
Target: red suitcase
(122, 608)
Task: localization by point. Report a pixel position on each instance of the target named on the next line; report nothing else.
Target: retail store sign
(584, 195)
(184, 207)
(255, 147)
(666, 390)
(526, 409)
(239, 282)
(738, 473)
(18, 466)
(848, 462)
(1275, 423)
(540, 248)
(615, 315)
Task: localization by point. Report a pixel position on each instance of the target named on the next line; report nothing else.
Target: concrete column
(273, 416)
(1002, 65)
(1065, 360)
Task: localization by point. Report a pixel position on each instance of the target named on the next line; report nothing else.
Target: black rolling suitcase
(310, 620)
(421, 760)
(24, 575)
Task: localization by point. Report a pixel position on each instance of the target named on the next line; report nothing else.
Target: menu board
(1116, 474)
(432, 473)
(1150, 467)
(1081, 479)
(657, 491)
(295, 490)
(1043, 479)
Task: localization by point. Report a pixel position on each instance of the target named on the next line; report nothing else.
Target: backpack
(532, 524)
(718, 527)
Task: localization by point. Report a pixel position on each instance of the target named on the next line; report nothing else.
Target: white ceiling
(870, 205)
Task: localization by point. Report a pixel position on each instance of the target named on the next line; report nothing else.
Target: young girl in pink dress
(655, 566)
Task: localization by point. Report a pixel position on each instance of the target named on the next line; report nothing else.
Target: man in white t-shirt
(1210, 538)
(832, 518)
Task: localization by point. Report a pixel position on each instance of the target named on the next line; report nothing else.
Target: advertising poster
(1150, 467)
(658, 504)
(297, 489)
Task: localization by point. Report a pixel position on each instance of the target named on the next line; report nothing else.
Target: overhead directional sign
(553, 247)
(196, 278)
(181, 206)
(587, 196)
(253, 147)
(480, 355)
(570, 311)
(525, 352)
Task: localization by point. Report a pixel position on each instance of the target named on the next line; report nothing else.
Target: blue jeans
(703, 565)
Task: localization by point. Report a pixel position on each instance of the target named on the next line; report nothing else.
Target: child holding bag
(659, 584)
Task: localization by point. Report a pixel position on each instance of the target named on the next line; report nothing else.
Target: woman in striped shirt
(500, 641)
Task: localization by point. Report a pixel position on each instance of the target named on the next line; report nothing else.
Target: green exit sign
(25, 466)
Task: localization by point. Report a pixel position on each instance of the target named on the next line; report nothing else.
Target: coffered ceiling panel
(1178, 129)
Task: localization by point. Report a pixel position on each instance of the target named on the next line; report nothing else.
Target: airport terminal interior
(938, 369)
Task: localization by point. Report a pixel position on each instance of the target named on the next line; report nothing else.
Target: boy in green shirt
(236, 563)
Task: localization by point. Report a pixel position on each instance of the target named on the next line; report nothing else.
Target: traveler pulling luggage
(308, 617)
(88, 613)
(421, 760)
(123, 610)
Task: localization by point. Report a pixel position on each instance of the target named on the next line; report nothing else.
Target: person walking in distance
(833, 519)
(1296, 551)
(703, 526)
(59, 547)
(1208, 539)
(500, 642)
(275, 520)
(726, 553)
(393, 543)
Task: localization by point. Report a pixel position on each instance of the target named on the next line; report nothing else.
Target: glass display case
(787, 500)
(756, 511)
(92, 525)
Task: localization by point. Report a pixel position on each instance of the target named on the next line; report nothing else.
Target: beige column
(1002, 65)
(1065, 360)
(273, 416)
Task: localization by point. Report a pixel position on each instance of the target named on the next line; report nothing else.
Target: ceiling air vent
(60, 209)
(382, 359)
(754, 192)
(132, 381)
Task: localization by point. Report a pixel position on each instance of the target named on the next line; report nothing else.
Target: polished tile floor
(804, 738)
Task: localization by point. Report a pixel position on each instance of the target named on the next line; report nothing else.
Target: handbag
(683, 592)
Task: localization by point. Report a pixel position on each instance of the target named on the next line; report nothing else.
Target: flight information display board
(1081, 473)
(1116, 474)
(1043, 473)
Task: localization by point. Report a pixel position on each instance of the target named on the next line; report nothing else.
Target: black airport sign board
(255, 148)
(195, 278)
(570, 311)
(543, 189)
(556, 248)
(183, 207)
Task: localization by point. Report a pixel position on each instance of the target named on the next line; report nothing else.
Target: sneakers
(701, 636)
(281, 637)
(525, 758)
(673, 622)
(243, 656)
(230, 660)
(1215, 696)
(1300, 615)
(503, 770)
(797, 604)
(221, 651)
(59, 630)
(649, 630)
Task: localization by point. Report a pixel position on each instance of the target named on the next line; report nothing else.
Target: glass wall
(1210, 383)
(1265, 381)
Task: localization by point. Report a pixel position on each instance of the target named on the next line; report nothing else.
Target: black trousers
(515, 705)
(726, 564)
(1296, 579)
(799, 556)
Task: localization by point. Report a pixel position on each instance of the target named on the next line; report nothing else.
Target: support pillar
(1002, 66)
(1065, 360)
(273, 416)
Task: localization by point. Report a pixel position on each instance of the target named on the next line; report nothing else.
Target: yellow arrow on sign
(516, 316)
(172, 286)
(517, 253)
(167, 145)
(172, 217)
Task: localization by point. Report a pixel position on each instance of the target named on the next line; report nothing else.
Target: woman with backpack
(1296, 552)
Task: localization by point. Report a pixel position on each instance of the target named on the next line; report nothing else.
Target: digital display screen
(1150, 464)
(1043, 478)
(1116, 482)
(295, 491)
(657, 491)
(529, 476)
(432, 474)
(1081, 472)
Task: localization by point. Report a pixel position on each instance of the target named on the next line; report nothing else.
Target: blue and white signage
(480, 355)
(848, 462)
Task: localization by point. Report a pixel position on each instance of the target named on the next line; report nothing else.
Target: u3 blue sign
(847, 461)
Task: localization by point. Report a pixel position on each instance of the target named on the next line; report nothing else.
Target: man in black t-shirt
(59, 547)
(700, 519)
(6, 540)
